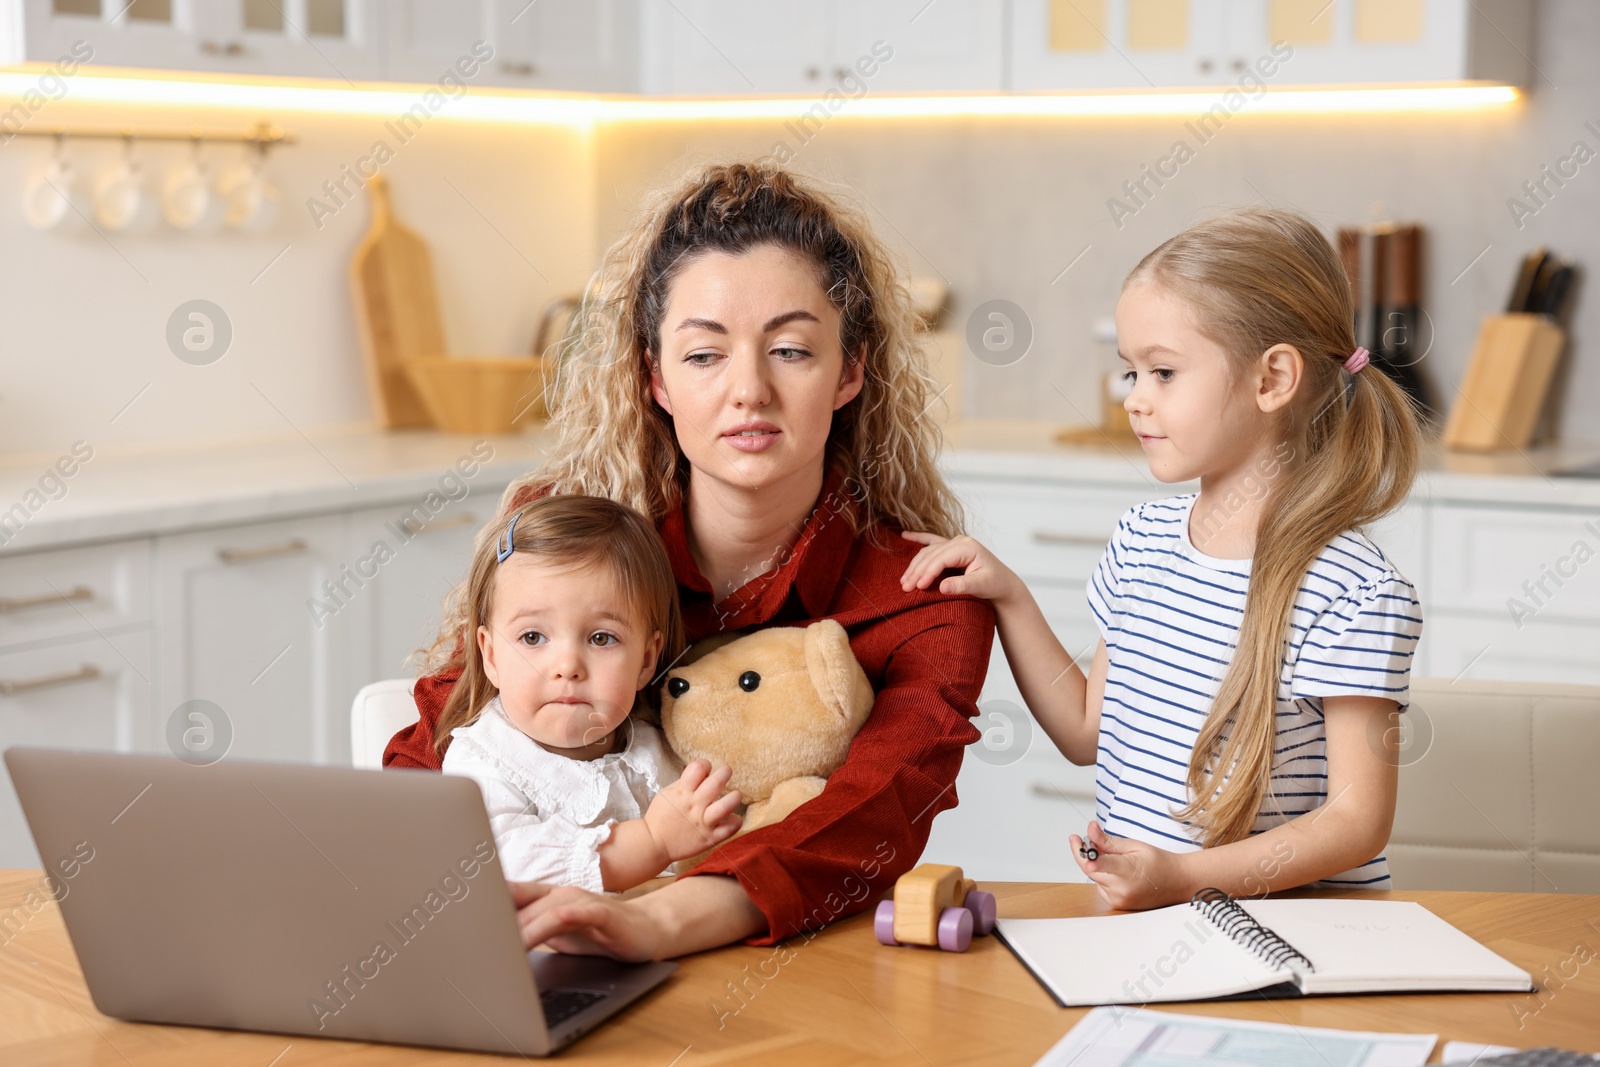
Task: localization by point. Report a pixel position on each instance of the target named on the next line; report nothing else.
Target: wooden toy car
(934, 905)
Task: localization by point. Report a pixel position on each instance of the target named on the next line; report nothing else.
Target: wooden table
(841, 998)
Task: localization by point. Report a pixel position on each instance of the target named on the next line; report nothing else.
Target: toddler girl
(1256, 645)
(572, 611)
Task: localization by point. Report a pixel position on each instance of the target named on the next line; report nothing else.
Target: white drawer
(1496, 649)
(1402, 535)
(47, 595)
(1485, 557)
(90, 693)
(1053, 532)
(1013, 820)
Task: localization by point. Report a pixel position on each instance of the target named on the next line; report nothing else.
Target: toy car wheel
(981, 903)
(883, 923)
(955, 929)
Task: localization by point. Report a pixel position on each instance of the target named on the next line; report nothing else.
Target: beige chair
(1505, 794)
(378, 712)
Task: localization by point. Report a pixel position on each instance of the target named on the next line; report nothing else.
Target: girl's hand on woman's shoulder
(1131, 875)
(982, 575)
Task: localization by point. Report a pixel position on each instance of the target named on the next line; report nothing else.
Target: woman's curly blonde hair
(614, 441)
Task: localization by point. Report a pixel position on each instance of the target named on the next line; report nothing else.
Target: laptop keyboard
(562, 1004)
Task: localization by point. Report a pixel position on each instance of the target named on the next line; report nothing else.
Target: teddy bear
(780, 706)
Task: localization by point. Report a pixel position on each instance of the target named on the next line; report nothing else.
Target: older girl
(1256, 645)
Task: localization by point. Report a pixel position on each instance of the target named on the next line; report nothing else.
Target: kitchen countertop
(993, 449)
(152, 489)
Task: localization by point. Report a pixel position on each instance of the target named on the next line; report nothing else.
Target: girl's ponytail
(1259, 278)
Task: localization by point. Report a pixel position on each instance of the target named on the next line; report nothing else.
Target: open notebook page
(1146, 957)
(1374, 946)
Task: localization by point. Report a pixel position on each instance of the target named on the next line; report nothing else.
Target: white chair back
(380, 710)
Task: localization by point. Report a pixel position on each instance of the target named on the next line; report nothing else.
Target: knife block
(1507, 382)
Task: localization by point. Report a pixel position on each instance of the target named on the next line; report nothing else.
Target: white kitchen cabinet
(736, 47)
(426, 37)
(404, 601)
(915, 46)
(91, 692)
(1140, 44)
(1487, 557)
(1385, 41)
(578, 45)
(45, 596)
(238, 629)
(817, 46)
(1495, 648)
(335, 39)
(1117, 44)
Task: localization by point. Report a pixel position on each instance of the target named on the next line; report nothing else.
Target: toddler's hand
(688, 817)
(982, 575)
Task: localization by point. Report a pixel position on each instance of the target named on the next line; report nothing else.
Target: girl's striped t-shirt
(1170, 616)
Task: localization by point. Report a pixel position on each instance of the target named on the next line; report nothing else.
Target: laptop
(323, 901)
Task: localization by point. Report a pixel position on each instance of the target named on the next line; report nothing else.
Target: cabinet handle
(451, 523)
(1051, 537)
(250, 555)
(1205, 66)
(213, 48)
(85, 673)
(813, 73)
(523, 69)
(23, 603)
(1237, 64)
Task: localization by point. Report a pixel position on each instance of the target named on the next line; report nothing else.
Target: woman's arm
(689, 915)
(1348, 829)
(1052, 685)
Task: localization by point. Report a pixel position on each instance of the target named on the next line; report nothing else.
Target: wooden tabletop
(841, 998)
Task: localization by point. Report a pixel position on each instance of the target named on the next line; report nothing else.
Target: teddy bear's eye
(749, 680)
(677, 686)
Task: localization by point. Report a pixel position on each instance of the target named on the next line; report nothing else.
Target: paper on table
(1138, 1037)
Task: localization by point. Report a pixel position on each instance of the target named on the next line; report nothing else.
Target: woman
(744, 371)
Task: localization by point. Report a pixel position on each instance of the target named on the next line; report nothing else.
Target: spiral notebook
(1215, 947)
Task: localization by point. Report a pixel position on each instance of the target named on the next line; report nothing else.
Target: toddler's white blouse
(550, 814)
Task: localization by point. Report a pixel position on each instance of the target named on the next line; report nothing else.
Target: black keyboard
(1539, 1057)
(562, 1004)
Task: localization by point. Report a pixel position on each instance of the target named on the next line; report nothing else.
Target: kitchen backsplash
(1024, 210)
(84, 349)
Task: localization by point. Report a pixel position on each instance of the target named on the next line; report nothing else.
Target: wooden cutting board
(397, 310)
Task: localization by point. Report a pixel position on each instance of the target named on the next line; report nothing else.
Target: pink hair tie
(1358, 359)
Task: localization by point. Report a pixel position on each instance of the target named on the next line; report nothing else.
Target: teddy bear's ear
(837, 677)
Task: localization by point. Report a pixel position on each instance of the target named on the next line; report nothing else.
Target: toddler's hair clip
(1358, 359)
(503, 552)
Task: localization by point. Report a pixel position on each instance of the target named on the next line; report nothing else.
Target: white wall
(506, 210)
